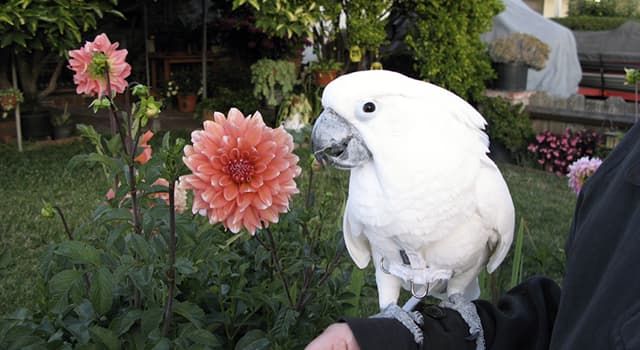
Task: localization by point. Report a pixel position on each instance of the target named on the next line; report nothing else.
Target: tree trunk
(5, 63)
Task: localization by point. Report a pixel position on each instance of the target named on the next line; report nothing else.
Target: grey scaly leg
(412, 320)
(469, 314)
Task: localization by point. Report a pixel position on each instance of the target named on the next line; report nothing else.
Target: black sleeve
(522, 319)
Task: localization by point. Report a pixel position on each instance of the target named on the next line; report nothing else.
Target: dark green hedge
(591, 22)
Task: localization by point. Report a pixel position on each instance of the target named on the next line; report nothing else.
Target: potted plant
(188, 85)
(513, 55)
(325, 71)
(62, 126)
(272, 80)
(9, 99)
(295, 112)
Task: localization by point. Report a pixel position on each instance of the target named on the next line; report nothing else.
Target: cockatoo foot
(412, 320)
(469, 314)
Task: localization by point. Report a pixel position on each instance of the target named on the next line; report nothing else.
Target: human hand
(338, 336)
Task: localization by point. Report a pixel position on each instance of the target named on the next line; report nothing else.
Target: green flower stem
(328, 271)
(132, 182)
(276, 262)
(87, 284)
(64, 222)
(168, 311)
(307, 200)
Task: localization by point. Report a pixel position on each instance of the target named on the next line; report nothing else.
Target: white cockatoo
(425, 202)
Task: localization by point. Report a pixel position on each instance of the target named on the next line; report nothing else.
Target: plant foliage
(445, 42)
(508, 124)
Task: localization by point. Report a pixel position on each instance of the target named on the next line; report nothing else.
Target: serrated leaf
(254, 340)
(79, 252)
(105, 336)
(102, 290)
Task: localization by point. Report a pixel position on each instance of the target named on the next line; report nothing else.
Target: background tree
(36, 31)
(445, 42)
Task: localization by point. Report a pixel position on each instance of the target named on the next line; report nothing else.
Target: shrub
(445, 42)
(507, 124)
(223, 98)
(555, 152)
(591, 22)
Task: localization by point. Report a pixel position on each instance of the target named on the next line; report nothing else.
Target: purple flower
(580, 170)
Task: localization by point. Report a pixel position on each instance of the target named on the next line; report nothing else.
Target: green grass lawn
(542, 200)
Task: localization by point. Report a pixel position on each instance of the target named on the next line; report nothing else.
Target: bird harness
(415, 271)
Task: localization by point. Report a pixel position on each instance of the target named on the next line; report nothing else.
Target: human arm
(522, 319)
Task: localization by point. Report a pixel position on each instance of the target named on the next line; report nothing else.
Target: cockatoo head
(383, 115)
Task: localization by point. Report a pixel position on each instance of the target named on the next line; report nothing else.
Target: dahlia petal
(256, 182)
(230, 191)
(225, 181)
(251, 220)
(244, 201)
(257, 202)
(265, 195)
(269, 214)
(270, 174)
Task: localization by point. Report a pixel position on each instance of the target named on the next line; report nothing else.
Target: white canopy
(562, 73)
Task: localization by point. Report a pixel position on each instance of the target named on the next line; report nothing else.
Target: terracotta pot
(323, 78)
(8, 102)
(187, 103)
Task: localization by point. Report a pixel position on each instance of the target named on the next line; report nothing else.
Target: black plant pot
(510, 76)
(36, 125)
(499, 153)
(63, 131)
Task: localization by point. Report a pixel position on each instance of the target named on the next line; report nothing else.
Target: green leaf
(61, 282)
(151, 320)
(79, 252)
(121, 324)
(191, 312)
(184, 266)
(102, 290)
(204, 337)
(139, 245)
(254, 340)
(105, 336)
(163, 344)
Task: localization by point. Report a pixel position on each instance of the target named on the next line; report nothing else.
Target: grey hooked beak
(338, 143)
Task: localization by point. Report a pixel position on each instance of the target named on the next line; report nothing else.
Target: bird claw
(469, 314)
(412, 320)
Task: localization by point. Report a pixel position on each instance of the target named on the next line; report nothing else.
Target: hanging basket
(510, 76)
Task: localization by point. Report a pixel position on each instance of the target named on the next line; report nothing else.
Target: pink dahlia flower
(580, 170)
(242, 171)
(146, 153)
(93, 60)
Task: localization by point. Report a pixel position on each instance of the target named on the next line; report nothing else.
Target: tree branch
(53, 80)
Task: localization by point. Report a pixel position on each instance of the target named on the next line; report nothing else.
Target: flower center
(240, 170)
(99, 65)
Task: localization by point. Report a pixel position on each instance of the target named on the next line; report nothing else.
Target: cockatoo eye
(369, 107)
